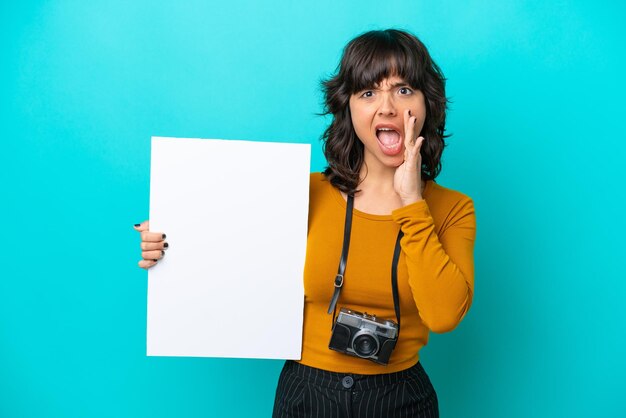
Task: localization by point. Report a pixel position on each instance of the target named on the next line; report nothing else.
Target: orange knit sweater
(435, 271)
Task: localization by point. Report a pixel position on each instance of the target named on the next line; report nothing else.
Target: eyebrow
(394, 85)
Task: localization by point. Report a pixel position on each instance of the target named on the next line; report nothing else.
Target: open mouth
(390, 140)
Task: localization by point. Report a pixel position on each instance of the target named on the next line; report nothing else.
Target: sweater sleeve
(440, 266)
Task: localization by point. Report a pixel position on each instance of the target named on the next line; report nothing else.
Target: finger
(144, 226)
(152, 255)
(152, 236)
(412, 154)
(409, 128)
(418, 143)
(149, 246)
(415, 151)
(146, 264)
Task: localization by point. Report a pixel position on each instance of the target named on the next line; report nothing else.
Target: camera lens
(365, 345)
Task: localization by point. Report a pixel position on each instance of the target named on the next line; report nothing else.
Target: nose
(387, 106)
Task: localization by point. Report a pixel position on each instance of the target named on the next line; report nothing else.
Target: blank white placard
(231, 282)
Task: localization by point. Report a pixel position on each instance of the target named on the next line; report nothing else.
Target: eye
(367, 93)
(405, 90)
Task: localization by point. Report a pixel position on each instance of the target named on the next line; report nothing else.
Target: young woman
(376, 214)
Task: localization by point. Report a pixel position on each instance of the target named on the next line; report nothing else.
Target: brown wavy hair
(366, 61)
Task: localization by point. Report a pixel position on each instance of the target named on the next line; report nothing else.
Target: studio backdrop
(537, 140)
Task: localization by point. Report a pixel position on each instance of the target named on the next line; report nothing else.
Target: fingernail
(162, 252)
(155, 260)
(164, 236)
(166, 245)
(409, 112)
(137, 225)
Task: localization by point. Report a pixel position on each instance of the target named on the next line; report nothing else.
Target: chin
(395, 161)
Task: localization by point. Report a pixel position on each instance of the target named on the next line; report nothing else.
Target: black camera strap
(338, 283)
(347, 227)
(394, 277)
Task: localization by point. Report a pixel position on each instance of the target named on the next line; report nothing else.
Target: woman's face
(378, 120)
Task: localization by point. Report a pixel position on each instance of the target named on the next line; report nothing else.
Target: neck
(376, 178)
(379, 180)
(377, 194)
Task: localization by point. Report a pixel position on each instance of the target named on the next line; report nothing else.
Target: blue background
(537, 92)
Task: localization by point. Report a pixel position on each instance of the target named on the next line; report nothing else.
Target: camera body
(362, 335)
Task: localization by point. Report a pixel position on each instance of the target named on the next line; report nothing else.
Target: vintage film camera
(362, 335)
(359, 334)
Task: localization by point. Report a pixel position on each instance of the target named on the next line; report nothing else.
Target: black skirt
(309, 392)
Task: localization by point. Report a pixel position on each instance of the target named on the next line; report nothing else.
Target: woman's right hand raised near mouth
(153, 245)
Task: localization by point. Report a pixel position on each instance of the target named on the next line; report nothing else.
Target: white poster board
(231, 282)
